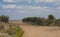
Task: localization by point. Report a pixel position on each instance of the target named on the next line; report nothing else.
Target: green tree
(51, 17)
(4, 18)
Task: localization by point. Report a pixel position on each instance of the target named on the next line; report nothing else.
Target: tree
(51, 17)
(4, 18)
(34, 20)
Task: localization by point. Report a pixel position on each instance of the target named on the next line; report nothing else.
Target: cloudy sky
(18, 9)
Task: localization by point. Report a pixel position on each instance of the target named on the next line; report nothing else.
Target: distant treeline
(4, 18)
(51, 20)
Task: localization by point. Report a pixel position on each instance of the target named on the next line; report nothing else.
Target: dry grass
(10, 30)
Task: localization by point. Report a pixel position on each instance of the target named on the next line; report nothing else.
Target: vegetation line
(50, 21)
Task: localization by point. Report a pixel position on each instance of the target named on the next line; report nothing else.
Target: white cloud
(36, 1)
(22, 0)
(44, 1)
(58, 8)
(27, 9)
(48, 0)
(45, 7)
(16, 0)
(8, 0)
(9, 6)
(31, 7)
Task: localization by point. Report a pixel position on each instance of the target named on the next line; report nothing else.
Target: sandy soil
(40, 31)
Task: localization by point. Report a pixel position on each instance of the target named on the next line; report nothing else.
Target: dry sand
(40, 31)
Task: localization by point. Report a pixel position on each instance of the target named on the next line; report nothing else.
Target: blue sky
(18, 9)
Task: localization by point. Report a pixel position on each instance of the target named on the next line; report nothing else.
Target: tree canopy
(4, 18)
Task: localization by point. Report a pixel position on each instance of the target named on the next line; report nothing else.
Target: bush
(4, 18)
(51, 17)
(1, 27)
(50, 21)
(14, 32)
(34, 20)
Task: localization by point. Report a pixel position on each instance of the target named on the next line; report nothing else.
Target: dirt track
(40, 31)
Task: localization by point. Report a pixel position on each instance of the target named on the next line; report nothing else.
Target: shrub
(50, 21)
(4, 18)
(51, 17)
(1, 27)
(15, 32)
(34, 20)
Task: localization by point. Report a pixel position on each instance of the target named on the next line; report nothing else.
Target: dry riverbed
(39, 31)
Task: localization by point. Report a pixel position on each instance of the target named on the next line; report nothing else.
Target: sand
(39, 31)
